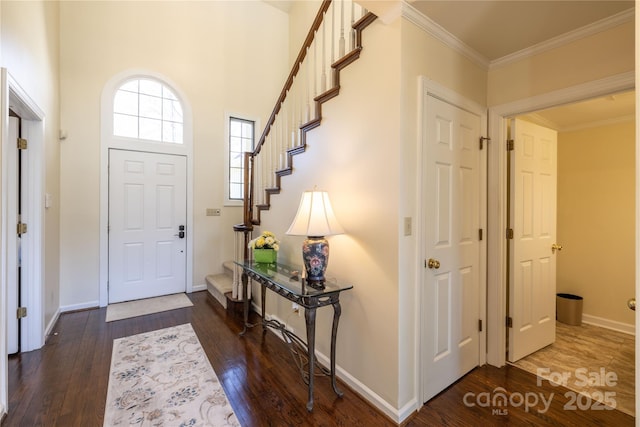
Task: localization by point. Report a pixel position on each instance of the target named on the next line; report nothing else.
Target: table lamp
(315, 219)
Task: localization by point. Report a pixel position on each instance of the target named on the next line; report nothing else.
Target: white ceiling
(495, 29)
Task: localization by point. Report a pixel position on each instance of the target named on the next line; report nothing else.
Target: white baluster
(333, 40)
(323, 77)
(352, 31)
(341, 42)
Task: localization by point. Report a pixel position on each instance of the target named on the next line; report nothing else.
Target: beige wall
(29, 46)
(596, 220)
(209, 51)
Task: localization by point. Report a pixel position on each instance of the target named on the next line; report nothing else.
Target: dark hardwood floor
(65, 383)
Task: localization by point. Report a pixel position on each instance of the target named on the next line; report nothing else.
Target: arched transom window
(144, 108)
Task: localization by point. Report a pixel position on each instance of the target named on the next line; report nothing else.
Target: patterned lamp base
(315, 254)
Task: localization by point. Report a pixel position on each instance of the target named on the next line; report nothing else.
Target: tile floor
(588, 356)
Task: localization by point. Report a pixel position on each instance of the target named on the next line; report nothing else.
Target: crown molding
(434, 29)
(431, 27)
(566, 38)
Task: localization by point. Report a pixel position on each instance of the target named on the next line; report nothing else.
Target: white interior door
(452, 247)
(13, 240)
(532, 272)
(147, 208)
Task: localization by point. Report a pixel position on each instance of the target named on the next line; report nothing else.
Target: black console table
(287, 282)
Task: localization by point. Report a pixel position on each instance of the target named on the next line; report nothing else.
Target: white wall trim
(81, 306)
(198, 288)
(432, 28)
(496, 277)
(49, 329)
(108, 141)
(614, 325)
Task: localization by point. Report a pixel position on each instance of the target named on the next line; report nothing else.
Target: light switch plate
(213, 212)
(407, 226)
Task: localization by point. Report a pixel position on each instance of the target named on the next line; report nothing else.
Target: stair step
(228, 268)
(218, 285)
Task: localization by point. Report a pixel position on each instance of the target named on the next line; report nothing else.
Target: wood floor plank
(65, 383)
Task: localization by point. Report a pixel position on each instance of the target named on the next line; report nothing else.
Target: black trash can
(569, 309)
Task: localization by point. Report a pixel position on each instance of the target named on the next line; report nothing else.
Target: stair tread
(222, 282)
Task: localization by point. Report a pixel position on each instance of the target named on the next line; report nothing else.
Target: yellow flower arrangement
(267, 240)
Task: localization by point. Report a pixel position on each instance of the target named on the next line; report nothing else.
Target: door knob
(433, 263)
(632, 304)
(181, 233)
(555, 247)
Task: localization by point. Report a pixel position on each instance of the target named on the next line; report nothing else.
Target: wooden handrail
(294, 71)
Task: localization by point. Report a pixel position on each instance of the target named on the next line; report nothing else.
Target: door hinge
(482, 140)
(22, 228)
(480, 234)
(22, 144)
(509, 144)
(509, 322)
(509, 233)
(480, 325)
(21, 312)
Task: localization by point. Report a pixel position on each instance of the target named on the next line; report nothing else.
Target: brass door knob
(433, 263)
(555, 247)
(632, 304)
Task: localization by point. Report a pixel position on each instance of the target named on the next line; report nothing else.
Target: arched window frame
(110, 141)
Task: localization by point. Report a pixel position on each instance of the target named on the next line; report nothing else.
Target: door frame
(108, 141)
(33, 331)
(429, 87)
(497, 197)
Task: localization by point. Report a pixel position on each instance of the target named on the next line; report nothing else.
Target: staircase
(333, 42)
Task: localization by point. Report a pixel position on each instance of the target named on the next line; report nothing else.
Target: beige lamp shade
(315, 216)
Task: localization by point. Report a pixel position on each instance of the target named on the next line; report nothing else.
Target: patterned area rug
(163, 378)
(141, 307)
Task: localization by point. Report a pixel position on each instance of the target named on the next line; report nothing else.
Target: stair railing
(333, 42)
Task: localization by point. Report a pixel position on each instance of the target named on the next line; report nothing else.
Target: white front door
(532, 272)
(452, 247)
(147, 209)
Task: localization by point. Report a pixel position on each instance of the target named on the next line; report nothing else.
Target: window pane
(131, 86)
(150, 107)
(235, 191)
(235, 128)
(171, 110)
(168, 94)
(125, 125)
(247, 130)
(236, 160)
(172, 132)
(126, 103)
(236, 175)
(151, 87)
(150, 129)
(235, 144)
(247, 145)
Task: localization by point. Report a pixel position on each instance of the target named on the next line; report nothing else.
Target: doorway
(596, 210)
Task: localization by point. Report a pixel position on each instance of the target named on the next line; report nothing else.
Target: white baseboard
(609, 324)
(198, 288)
(51, 324)
(396, 415)
(81, 306)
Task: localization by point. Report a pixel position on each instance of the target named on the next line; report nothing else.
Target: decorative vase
(315, 254)
(265, 256)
